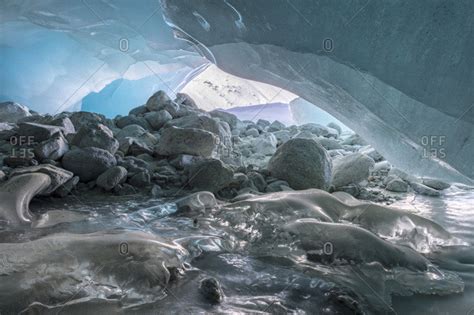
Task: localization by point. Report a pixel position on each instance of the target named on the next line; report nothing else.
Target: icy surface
(54, 53)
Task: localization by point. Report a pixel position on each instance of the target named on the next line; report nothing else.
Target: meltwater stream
(269, 278)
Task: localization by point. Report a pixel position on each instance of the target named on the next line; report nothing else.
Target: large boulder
(210, 175)
(303, 163)
(161, 101)
(80, 119)
(58, 175)
(112, 177)
(192, 141)
(52, 149)
(40, 132)
(158, 119)
(351, 169)
(99, 136)
(88, 163)
(11, 112)
(229, 118)
(124, 121)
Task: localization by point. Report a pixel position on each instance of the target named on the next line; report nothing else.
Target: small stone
(66, 189)
(276, 126)
(141, 179)
(397, 185)
(435, 183)
(424, 190)
(112, 177)
(211, 290)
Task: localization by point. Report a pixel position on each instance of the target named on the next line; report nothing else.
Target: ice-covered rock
(435, 183)
(303, 163)
(57, 175)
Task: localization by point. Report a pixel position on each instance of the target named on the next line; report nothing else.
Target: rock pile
(168, 147)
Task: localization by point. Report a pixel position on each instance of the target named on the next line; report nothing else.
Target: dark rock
(38, 131)
(17, 161)
(191, 141)
(99, 136)
(67, 188)
(211, 290)
(158, 119)
(138, 111)
(124, 121)
(210, 175)
(112, 177)
(80, 119)
(53, 148)
(88, 163)
(303, 163)
(141, 179)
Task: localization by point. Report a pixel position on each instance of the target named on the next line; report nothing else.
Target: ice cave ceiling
(398, 72)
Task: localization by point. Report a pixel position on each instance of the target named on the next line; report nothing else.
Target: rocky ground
(168, 148)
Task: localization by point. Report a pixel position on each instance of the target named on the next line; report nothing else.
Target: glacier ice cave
(237, 156)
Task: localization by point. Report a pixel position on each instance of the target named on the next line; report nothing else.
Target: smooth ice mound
(335, 238)
(120, 265)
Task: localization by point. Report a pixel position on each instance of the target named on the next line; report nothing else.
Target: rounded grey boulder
(302, 163)
(191, 141)
(351, 169)
(88, 163)
(210, 174)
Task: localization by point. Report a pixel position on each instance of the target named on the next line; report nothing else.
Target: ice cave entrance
(211, 89)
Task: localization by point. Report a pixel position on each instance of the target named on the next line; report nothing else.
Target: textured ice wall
(398, 72)
(53, 53)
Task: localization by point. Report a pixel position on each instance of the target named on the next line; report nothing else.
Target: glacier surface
(397, 72)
